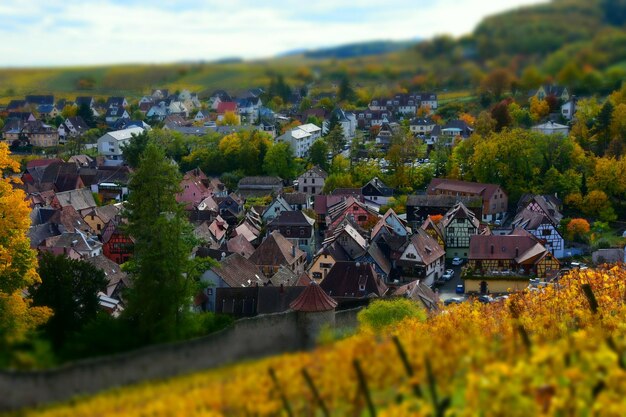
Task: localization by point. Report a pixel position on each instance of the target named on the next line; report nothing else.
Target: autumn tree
(497, 82)
(577, 229)
(539, 109)
(230, 119)
(160, 268)
(18, 262)
(500, 113)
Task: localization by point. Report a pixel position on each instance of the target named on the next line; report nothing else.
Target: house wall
(320, 267)
(495, 286)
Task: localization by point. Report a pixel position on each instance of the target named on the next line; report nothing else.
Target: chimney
(293, 250)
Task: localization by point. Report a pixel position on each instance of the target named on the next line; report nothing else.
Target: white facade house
(347, 120)
(301, 138)
(110, 144)
(551, 128)
(568, 110)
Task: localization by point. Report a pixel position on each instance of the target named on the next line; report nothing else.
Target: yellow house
(324, 261)
(99, 217)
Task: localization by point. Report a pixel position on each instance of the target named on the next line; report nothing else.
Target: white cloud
(62, 32)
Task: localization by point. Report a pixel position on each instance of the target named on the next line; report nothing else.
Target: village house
(276, 207)
(500, 264)
(458, 226)
(347, 121)
(275, 251)
(539, 215)
(551, 128)
(312, 181)
(353, 280)
(234, 271)
(353, 209)
(389, 224)
(421, 126)
(110, 144)
(495, 200)
(259, 186)
(117, 245)
(422, 258)
(298, 228)
(325, 259)
(419, 207)
(376, 193)
(300, 139)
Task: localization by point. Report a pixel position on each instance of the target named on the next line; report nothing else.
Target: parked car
(448, 275)
(485, 299)
(455, 300)
(457, 261)
(460, 289)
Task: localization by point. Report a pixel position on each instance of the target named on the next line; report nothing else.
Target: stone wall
(346, 319)
(249, 338)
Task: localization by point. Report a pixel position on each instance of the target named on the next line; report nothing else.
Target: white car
(457, 261)
(448, 275)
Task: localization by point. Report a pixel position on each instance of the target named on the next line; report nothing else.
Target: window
(355, 208)
(304, 189)
(317, 275)
(546, 232)
(325, 265)
(362, 218)
(450, 229)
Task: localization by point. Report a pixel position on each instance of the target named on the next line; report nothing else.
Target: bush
(383, 313)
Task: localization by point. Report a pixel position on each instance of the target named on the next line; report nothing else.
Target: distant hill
(581, 43)
(354, 50)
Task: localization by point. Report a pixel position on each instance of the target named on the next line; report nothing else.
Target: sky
(79, 32)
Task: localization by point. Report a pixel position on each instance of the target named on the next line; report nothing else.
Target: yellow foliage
(18, 264)
(543, 353)
(538, 108)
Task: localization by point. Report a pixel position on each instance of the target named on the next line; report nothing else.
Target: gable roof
(316, 171)
(459, 211)
(486, 191)
(353, 279)
(79, 199)
(427, 247)
(225, 106)
(237, 271)
(276, 250)
(502, 247)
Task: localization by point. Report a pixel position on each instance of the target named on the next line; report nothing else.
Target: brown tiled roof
(239, 244)
(418, 291)
(236, 271)
(353, 279)
(427, 247)
(313, 299)
(276, 250)
(295, 198)
(484, 190)
(507, 247)
(442, 200)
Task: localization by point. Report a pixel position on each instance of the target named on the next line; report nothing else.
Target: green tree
(70, 287)
(318, 154)
(279, 160)
(86, 113)
(345, 93)
(162, 287)
(336, 139)
(132, 151)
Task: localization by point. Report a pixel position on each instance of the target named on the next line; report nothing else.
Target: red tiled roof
(313, 299)
(225, 106)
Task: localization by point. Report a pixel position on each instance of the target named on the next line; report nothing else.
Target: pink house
(352, 208)
(193, 189)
